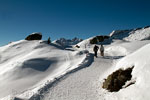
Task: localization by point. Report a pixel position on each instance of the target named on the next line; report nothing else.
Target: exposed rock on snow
(140, 73)
(147, 27)
(34, 36)
(98, 39)
(117, 79)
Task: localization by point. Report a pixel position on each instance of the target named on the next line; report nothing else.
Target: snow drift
(26, 65)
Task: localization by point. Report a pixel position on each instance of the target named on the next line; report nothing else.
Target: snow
(82, 85)
(34, 63)
(67, 42)
(37, 33)
(131, 35)
(140, 74)
(141, 34)
(35, 70)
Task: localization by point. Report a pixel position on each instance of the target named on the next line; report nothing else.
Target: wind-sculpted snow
(85, 63)
(26, 65)
(40, 64)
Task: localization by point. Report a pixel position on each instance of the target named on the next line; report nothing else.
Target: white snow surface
(35, 70)
(140, 74)
(27, 65)
(132, 35)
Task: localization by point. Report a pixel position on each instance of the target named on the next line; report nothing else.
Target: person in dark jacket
(95, 49)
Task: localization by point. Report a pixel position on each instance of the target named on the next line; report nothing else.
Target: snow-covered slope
(140, 74)
(86, 84)
(132, 35)
(85, 43)
(25, 66)
(35, 70)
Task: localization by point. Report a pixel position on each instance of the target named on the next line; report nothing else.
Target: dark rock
(97, 39)
(106, 37)
(16, 98)
(146, 27)
(117, 79)
(34, 36)
(77, 46)
(94, 40)
(138, 28)
(100, 38)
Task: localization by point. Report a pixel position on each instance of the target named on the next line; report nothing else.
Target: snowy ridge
(142, 34)
(132, 35)
(31, 67)
(85, 43)
(119, 34)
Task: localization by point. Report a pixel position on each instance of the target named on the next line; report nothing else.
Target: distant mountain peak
(67, 42)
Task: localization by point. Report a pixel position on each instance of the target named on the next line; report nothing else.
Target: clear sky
(69, 18)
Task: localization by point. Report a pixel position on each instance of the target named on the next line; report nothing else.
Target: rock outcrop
(34, 36)
(117, 79)
(97, 39)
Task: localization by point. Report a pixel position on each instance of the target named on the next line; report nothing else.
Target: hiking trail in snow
(82, 85)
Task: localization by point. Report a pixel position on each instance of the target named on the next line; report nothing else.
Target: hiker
(95, 49)
(102, 50)
(49, 40)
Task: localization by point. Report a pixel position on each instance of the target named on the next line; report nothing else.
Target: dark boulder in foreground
(34, 36)
(117, 79)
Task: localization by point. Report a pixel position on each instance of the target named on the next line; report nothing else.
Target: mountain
(35, 70)
(132, 34)
(67, 42)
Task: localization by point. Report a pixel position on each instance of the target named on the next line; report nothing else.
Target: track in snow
(82, 85)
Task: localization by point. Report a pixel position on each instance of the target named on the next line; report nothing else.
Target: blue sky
(69, 18)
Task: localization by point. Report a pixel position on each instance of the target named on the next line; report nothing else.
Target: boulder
(106, 37)
(138, 28)
(94, 40)
(100, 38)
(34, 36)
(117, 79)
(97, 39)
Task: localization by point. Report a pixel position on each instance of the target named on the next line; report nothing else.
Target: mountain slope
(86, 84)
(29, 64)
(132, 35)
(140, 75)
(35, 70)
